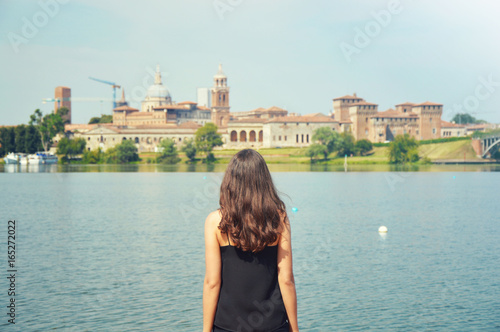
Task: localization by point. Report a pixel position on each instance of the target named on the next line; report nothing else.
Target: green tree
(363, 146)
(168, 154)
(63, 113)
(20, 138)
(404, 149)
(464, 118)
(104, 118)
(48, 126)
(124, 152)
(93, 156)
(32, 140)
(71, 147)
(315, 150)
(94, 120)
(327, 137)
(496, 154)
(189, 149)
(346, 145)
(206, 138)
(7, 140)
(111, 155)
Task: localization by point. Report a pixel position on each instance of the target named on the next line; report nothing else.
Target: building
(450, 129)
(62, 97)
(220, 99)
(160, 118)
(422, 121)
(157, 108)
(203, 97)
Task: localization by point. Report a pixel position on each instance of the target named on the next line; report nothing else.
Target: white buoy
(382, 229)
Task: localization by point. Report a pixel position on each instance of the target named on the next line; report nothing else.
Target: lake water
(123, 251)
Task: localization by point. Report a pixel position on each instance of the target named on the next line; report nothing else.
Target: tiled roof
(347, 97)
(190, 125)
(275, 109)
(479, 126)
(406, 104)
(315, 114)
(187, 103)
(302, 119)
(78, 126)
(428, 103)
(259, 109)
(125, 108)
(446, 124)
(249, 120)
(171, 107)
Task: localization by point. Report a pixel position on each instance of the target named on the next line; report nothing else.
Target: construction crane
(59, 100)
(113, 85)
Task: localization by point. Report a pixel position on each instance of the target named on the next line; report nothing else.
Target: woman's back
(249, 283)
(250, 298)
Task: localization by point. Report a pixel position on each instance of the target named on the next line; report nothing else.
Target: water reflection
(219, 168)
(34, 168)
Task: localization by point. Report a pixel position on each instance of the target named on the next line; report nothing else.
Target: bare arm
(285, 275)
(211, 286)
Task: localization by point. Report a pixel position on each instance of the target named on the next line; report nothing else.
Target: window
(433, 130)
(297, 137)
(279, 138)
(285, 138)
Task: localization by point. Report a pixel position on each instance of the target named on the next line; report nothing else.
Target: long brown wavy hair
(249, 203)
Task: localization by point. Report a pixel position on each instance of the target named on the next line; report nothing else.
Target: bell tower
(220, 99)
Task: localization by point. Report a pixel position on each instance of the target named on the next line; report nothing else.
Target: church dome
(158, 91)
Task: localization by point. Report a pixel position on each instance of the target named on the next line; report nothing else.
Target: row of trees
(327, 141)
(22, 138)
(35, 136)
(404, 149)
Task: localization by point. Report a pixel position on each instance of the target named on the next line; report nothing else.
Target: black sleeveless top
(250, 297)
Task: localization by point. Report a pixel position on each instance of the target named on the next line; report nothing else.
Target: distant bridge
(486, 145)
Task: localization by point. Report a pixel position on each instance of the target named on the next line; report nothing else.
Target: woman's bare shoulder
(214, 218)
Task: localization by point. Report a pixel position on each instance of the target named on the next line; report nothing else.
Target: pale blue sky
(283, 53)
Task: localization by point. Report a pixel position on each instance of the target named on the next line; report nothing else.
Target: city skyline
(292, 55)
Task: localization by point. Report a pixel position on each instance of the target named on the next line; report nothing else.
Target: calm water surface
(124, 251)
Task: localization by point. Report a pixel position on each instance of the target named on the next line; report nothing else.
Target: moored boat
(15, 158)
(41, 158)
